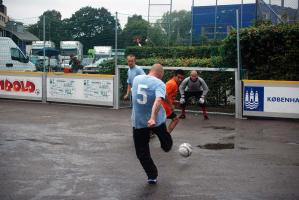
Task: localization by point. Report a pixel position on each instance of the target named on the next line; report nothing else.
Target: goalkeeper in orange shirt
(172, 88)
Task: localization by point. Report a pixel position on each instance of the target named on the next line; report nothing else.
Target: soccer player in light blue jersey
(148, 115)
(133, 71)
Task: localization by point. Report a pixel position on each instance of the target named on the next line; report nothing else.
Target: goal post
(237, 83)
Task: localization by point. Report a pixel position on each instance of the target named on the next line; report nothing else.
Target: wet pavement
(67, 152)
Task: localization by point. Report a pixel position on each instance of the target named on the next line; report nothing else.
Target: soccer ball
(185, 149)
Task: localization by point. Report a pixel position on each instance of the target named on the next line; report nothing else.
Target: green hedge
(221, 84)
(215, 61)
(267, 52)
(186, 62)
(174, 52)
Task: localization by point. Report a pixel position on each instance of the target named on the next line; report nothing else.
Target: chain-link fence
(216, 20)
(148, 41)
(76, 44)
(99, 42)
(161, 27)
(278, 11)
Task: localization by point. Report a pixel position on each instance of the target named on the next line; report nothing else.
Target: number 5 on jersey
(141, 90)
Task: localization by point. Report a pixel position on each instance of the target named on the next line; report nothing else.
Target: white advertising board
(21, 86)
(281, 100)
(278, 99)
(85, 90)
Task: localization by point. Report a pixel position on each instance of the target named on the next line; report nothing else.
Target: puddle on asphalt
(217, 146)
(220, 127)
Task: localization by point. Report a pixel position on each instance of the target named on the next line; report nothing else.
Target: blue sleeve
(161, 90)
(141, 72)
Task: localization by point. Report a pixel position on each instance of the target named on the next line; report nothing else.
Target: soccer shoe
(152, 181)
(206, 117)
(182, 116)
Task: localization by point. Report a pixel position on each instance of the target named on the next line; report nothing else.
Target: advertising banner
(85, 90)
(271, 99)
(21, 86)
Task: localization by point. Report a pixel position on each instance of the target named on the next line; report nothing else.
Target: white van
(12, 58)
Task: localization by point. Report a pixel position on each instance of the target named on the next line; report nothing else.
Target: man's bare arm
(128, 92)
(155, 109)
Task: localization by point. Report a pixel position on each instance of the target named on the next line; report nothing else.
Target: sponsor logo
(283, 99)
(18, 86)
(254, 99)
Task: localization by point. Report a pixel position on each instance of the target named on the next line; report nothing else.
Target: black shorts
(188, 95)
(143, 134)
(159, 129)
(172, 116)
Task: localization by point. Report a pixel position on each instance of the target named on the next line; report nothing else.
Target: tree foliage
(136, 27)
(96, 27)
(177, 26)
(91, 26)
(55, 27)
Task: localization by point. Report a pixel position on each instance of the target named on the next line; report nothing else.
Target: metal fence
(278, 11)
(227, 93)
(216, 20)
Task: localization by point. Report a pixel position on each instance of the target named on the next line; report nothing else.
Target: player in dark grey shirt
(193, 86)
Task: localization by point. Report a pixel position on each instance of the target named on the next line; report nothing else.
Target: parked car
(95, 67)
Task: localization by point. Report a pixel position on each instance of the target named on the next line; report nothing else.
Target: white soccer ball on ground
(185, 149)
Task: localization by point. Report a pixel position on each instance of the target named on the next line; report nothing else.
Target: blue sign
(254, 98)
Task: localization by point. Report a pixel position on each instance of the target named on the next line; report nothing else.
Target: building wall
(3, 19)
(204, 19)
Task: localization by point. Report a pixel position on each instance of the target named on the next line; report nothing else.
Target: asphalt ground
(67, 152)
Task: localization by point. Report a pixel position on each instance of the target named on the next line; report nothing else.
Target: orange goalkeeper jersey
(171, 93)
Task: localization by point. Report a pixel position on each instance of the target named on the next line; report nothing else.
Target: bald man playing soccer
(193, 86)
(148, 115)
